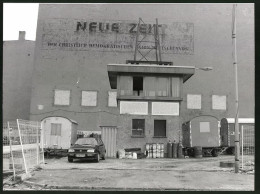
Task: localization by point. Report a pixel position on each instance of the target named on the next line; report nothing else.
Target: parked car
(87, 148)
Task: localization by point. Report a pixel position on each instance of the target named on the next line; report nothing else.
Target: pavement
(203, 174)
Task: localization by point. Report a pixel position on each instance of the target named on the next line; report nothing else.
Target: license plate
(80, 155)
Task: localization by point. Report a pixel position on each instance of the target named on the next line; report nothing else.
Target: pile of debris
(130, 153)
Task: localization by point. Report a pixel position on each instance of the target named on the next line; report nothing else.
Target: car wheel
(70, 159)
(98, 158)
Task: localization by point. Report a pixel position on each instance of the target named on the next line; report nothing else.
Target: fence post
(37, 143)
(11, 151)
(42, 142)
(25, 166)
(242, 142)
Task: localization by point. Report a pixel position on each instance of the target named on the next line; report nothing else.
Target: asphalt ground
(198, 174)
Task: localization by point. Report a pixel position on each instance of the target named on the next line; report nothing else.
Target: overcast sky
(23, 17)
(20, 17)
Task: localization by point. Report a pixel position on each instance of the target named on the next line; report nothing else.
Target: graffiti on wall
(118, 36)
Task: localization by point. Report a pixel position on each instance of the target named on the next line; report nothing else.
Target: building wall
(62, 68)
(124, 132)
(18, 56)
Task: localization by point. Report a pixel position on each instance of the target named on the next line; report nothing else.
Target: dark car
(87, 148)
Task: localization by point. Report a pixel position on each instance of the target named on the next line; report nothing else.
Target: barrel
(154, 153)
(198, 152)
(154, 146)
(158, 146)
(162, 146)
(174, 150)
(149, 154)
(147, 147)
(150, 146)
(180, 154)
(162, 154)
(169, 150)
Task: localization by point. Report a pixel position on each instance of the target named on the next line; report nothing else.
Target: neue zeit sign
(117, 36)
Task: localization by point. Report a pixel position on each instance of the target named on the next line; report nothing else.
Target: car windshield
(86, 141)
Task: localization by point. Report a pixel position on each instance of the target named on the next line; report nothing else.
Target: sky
(19, 17)
(24, 19)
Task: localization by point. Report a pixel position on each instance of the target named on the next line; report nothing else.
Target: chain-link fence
(247, 147)
(21, 150)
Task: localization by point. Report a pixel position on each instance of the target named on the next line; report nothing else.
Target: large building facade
(76, 42)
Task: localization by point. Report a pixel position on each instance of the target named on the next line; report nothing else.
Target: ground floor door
(108, 135)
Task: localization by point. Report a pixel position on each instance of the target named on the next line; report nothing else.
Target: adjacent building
(18, 58)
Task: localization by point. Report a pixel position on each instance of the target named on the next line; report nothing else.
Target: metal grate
(247, 147)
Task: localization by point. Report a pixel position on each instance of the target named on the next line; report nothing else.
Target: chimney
(21, 35)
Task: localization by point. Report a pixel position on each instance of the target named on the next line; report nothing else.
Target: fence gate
(248, 147)
(108, 135)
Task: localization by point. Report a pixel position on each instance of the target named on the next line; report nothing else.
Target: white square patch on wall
(62, 97)
(165, 108)
(112, 99)
(204, 127)
(89, 98)
(194, 101)
(133, 107)
(219, 102)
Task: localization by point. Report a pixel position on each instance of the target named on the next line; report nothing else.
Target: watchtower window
(138, 85)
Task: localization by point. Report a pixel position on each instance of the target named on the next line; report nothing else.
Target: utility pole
(237, 147)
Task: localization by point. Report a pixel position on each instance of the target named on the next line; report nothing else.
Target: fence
(21, 146)
(247, 147)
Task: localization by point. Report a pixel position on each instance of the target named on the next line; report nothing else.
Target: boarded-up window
(126, 85)
(112, 99)
(62, 97)
(138, 126)
(204, 127)
(89, 98)
(176, 83)
(193, 101)
(56, 129)
(219, 102)
(159, 128)
(134, 108)
(165, 108)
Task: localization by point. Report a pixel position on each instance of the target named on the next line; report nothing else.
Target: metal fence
(21, 146)
(247, 147)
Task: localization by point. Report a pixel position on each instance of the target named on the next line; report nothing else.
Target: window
(193, 101)
(113, 82)
(62, 97)
(219, 102)
(137, 85)
(89, 98)
(138, 127)
(112, 99)
(159, 128)
(204, 127)
(56, 129)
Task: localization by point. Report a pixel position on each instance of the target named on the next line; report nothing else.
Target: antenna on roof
(147, 39)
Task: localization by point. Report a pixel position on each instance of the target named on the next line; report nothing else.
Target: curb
(29, 183)
(52, 187)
